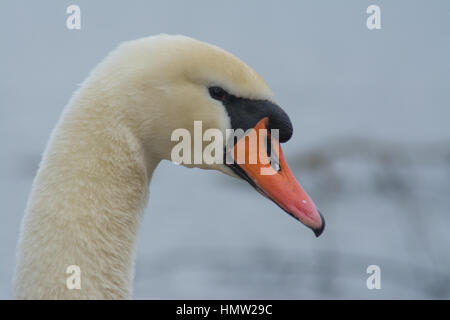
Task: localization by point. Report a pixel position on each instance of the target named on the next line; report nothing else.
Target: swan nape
(93, 181)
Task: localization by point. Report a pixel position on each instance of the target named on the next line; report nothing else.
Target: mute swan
(92, 184)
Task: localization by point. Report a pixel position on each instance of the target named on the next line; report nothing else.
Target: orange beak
(275, 182)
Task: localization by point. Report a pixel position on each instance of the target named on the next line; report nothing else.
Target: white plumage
(92, 184)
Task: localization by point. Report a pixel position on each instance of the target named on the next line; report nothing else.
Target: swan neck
(85, 208)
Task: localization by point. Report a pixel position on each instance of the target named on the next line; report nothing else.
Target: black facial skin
(245, 113)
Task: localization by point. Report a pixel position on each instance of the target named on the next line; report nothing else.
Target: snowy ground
(371, 144)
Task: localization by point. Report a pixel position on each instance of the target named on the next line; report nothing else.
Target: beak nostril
(276, 166)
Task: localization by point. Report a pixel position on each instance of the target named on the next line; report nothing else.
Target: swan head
(182, 88)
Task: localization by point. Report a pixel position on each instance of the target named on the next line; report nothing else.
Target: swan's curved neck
(85, 207)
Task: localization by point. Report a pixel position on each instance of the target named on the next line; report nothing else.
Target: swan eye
(218, 93)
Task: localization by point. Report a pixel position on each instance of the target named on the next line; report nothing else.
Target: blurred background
(371, 145)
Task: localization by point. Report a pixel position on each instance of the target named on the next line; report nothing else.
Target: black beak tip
(319, 231)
